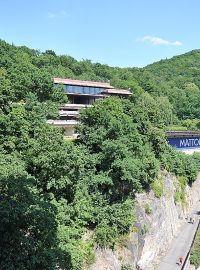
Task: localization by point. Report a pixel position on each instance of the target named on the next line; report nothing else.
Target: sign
(185, 142)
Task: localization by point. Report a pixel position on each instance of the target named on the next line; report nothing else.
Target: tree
(27, 225)
(6, 91)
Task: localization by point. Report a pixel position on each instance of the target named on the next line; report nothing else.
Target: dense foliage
(59, 199)
(179, 79)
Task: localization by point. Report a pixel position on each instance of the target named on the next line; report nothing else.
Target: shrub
(106, 236)
(158, 187)
(148, 209)
(126, 267)
(144, 229)
(179, 194)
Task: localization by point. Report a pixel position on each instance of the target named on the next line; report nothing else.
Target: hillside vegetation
(59, 200)
(179, 79)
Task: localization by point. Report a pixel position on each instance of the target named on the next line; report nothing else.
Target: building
(81, 94)
(185, 141)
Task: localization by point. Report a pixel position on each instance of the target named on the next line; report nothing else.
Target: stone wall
(153, 232)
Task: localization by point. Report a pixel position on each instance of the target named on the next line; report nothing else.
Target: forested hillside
(59, 200)
(179, 79)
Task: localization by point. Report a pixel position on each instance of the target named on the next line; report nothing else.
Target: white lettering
(196, 142)
(192, 142)
(182, 143)
(189, 142)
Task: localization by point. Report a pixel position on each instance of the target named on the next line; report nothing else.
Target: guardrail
(187, 258)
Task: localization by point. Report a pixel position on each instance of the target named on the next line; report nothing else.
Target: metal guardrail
(186, 261)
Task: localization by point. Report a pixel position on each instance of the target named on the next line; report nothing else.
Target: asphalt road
(180, 244)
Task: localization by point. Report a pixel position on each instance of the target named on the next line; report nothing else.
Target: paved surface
(180, 244)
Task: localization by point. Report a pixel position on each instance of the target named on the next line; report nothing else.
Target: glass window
(87, 90)
(79, 89)
(75, 89)
(98, 90)
(69, 88)
(65, 88)
(83, 89)
(91, 90)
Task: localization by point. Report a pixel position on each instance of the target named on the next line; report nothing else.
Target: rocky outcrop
(158, 221)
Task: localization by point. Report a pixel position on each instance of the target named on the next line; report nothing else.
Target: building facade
(81, 94)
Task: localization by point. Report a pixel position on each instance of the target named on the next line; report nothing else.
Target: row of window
(83, 89)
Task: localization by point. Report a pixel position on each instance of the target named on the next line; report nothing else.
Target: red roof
(116, 91)
(82, 83)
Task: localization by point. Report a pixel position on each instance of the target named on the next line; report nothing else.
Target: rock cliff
(158, 221)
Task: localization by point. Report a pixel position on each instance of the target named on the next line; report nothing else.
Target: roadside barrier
(187, 258)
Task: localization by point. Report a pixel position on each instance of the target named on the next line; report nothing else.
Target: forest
(60, 200)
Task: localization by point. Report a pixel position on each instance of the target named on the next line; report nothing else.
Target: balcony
(63, 123)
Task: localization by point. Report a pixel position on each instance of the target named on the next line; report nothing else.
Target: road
(180, 244)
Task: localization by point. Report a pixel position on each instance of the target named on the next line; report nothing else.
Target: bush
(148, 209)
(179, 194)
(126, 267)
(106, 237)
(158, 187)
(144, 229)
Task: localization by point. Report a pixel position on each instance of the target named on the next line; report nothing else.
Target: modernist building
(81, 94)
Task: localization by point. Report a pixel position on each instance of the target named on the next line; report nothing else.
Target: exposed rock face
(154, 231)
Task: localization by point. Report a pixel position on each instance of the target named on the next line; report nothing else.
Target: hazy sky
(125, 33)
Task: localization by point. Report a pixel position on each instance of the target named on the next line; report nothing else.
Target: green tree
(28, 225)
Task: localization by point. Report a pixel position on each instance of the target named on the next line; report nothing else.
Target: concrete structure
(186, 141)
(81, 94)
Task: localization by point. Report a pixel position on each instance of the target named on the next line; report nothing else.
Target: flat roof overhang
(116, 92)
(82, 83)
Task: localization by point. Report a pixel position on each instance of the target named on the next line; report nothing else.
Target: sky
(123, 33)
